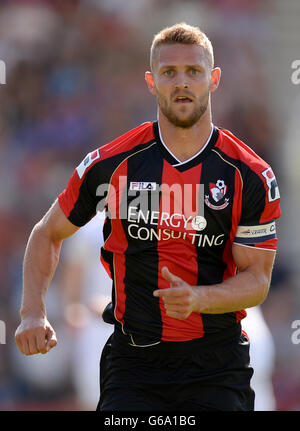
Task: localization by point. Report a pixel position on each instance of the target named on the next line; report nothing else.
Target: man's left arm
(248, 288)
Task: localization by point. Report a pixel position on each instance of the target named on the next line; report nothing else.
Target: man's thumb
(167, 275)
(51, 339)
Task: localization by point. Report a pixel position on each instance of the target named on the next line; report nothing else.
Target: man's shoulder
(239, 152)
(107, 156)
(128, 141)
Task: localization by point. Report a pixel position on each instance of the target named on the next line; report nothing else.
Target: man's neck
(185, 143)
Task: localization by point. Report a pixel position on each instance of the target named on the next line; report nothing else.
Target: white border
(254, 248)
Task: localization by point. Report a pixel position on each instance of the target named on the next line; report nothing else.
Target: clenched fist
(35, 335)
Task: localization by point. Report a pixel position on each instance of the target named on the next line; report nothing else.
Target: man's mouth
(182, 99)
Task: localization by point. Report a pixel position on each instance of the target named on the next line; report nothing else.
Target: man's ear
(215, 79)
(150, 83)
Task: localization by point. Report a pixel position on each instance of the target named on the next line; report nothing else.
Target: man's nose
(181, 82)
(183, 85)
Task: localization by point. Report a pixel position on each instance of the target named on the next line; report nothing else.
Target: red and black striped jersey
(164, 212)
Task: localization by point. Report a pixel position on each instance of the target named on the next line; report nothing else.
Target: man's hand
(248, 288)
(180, 299)
(35, 335)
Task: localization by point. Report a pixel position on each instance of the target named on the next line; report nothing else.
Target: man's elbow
(43, 233)
(263, 289)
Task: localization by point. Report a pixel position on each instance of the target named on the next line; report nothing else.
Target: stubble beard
(188, 122)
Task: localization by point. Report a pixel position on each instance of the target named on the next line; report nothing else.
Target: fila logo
(142, 185)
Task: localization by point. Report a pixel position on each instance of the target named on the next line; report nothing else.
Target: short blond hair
(185, 34)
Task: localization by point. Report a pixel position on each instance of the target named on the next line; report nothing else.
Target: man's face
(181, 79)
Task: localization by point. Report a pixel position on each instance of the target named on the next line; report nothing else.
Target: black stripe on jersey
(105, 170)
(211, 267)
(87, 202)
(141, 263)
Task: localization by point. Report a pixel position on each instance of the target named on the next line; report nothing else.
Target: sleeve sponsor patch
(273, 190)
(255, 234)
(86, 162)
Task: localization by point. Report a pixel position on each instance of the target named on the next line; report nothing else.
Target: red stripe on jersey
(245, 334)
(240, 315)
(119, 275)
(237, 149)
(69, 196)
(270, 244)
(117, 241)
(126, 142)
(180, 248)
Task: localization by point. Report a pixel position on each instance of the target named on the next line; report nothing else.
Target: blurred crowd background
(75, 81)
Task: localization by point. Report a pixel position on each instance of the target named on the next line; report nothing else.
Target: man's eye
(168, 72)
(194, 71)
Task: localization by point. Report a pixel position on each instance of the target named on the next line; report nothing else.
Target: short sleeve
(260, 209)
(79, 200)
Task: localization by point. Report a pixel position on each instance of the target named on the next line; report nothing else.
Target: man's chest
(158, 202)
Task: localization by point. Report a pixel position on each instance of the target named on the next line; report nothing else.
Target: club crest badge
(217, 199)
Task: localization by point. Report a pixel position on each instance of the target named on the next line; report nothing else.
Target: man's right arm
(35, 334)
